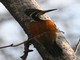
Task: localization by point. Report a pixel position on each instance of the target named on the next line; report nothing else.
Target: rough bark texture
(17, 8)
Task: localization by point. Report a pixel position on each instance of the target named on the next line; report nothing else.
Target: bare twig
(6, 46)
(26, 51)
(28, 41)
(77, 46)
(12, 45)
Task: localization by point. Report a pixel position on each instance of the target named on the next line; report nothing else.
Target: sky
(67, 16)
(67, 19)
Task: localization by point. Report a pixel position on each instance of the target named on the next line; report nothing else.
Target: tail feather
(55, 50)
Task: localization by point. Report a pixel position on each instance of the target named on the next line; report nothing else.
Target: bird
(44, 31)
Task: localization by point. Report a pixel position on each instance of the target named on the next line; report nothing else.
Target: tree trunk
(17, 8)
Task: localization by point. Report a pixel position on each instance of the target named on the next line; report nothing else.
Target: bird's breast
(43, 31)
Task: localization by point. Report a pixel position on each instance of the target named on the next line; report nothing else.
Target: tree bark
(17, 8)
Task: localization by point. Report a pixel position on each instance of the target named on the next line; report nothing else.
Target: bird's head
(35, 13)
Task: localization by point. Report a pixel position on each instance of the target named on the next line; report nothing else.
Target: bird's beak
(46, 11)
(49, 10)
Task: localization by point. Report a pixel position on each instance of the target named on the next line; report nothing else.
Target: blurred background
(67, 19)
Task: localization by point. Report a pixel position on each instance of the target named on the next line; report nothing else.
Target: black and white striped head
(35, 13)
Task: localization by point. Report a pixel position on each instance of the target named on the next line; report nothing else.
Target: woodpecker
(45, 29)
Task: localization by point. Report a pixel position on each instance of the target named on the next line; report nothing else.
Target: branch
(77, 46)
(27, 42)
(12, 45)
(17, 8)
